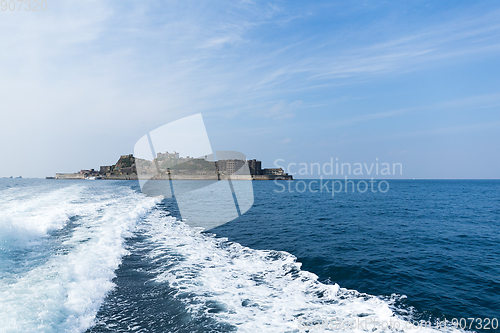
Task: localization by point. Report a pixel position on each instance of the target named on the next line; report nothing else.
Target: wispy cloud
(286, 141)
(400, 53)
(283, 110)
(124, 67)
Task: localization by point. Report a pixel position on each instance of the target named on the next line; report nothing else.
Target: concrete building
(255, 167)
(229, 167)
(273, 171)
(167, 155)
(104, 169)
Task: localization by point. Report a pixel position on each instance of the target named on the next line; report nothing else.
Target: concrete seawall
(69, 176)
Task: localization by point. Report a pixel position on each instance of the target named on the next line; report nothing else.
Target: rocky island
(172, 166)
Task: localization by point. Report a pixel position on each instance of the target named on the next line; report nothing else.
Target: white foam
(27, 215)
(257, 291)
(65, 292)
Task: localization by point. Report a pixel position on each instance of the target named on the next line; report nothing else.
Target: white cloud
(283, 110)
(72, 75)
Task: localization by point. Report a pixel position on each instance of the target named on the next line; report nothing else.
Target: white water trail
(64, 291)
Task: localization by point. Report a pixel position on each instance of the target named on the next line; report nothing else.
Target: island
(172, 166)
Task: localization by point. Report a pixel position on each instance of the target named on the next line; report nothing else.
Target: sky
(410, 82)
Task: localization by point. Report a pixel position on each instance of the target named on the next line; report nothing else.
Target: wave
(27, 216)
(260, 291)
(82, 231)
(60, 249)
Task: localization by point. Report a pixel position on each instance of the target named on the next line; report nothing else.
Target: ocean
(99, 256)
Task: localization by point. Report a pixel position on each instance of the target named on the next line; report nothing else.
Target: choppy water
(98, 256)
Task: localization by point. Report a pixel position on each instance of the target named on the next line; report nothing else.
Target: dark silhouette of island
(172, 166)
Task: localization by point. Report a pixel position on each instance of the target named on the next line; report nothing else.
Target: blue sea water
(98, 256)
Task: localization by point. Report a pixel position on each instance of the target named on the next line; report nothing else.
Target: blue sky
(413, 82)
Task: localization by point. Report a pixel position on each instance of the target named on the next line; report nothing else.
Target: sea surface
(99, 256)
